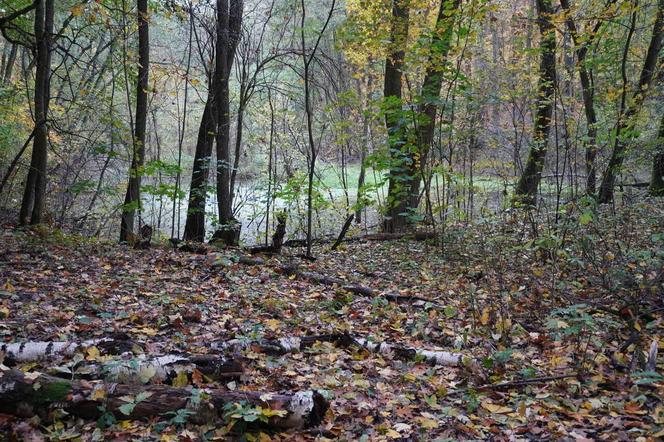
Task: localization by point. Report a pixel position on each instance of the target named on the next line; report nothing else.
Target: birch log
(27, 394)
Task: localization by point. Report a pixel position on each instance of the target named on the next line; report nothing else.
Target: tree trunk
(657, 180)
(588, 94)
(404, 185)
(35, 184)
(9, 64)
(26, 396)
(222, 69)
(154, 369)
(194, 229)
(132, 200)
(431, 87)
(395, 219)
(527, 187)
(625, 126)
(224, 56)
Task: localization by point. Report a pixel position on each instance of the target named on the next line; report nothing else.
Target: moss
(57, 391)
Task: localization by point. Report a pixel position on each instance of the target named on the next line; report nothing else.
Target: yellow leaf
(273, 324)
(77, 10)
(92, 353)
(4, 312)
(484, 319)
(495, 408)
(393, 434)
(181, 380)
(428, 423)
(98, 393)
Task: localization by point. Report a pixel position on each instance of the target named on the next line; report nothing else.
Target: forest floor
(555, 335)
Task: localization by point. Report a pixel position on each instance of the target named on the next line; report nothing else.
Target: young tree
(32, 205)
(657, 179)
(626, 120)
(397, 198)
(581, 47)
(409, 151)
(224, 56)
(132, 200)
(307, 58)
(526, 188)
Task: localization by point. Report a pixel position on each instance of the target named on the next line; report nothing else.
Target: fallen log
(296, 344)
(286, 345)
(358, 289)
(343, 232)
(416, 236)
(42, 350)
(433, 357)
(158, 369)
(27, 394)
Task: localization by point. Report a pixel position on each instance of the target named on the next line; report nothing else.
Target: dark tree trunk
(396, 201)
(431, 87)
(657, 180)
(588, 94)
(626, 121)
(35, 185)
(228, 26)
(194, 229)
(9, 64)
(526, 189)
(133, 196)
(404, 186)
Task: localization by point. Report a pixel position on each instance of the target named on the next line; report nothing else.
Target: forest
(354, 220)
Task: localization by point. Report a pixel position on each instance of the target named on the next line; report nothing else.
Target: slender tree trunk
(9, 64)
(175, 233)
(35, 186)
(222, 70)
(307, 58)
(431, 87)
(588, 94)
(624, 129)
(133, 196)
(657, 180)
(395, 220)
(194, 229)
(228, 27)
(526, 189)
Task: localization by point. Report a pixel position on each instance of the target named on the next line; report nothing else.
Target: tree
(626, 120)
(224, 56)
(307, 58)
(132, 201)
(32, 205)
(526, 188)
(585, 77)
(397, 198)
(657, 179)
(410, 150)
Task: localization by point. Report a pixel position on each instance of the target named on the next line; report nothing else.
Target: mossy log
(29, 394)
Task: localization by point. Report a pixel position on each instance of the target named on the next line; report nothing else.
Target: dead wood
(25, 395)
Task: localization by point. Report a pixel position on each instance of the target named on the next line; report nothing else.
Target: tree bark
(657, 180)
(9, 64)
(26, 396)
(32, 205)
(45, 350)
(395, 219)
(588, 93)
(132, 201)
(625, 126)
(194, 229)
(527, 187)
(154, 369)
